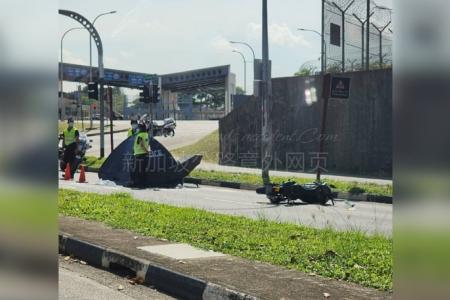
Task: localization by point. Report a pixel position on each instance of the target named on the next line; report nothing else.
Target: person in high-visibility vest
(71, 138)
(141, 155)
(133, 129)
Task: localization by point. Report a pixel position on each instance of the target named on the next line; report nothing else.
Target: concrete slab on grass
(180, 251)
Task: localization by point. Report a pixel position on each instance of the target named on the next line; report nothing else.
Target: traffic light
(144, 96)
(155, 94)
(93, 90)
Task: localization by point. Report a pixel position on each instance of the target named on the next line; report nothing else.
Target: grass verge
(247, 178)
(207, 146)
(344, 186)
(350, 256)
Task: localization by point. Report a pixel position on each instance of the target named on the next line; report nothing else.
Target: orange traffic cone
(67, 175)
(82, 178)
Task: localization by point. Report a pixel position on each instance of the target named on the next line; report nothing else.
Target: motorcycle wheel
(275, 199)
(172, 132)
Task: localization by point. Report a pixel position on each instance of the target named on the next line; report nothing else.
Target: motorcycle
(164, 127)
(169, 127)
(83, 146)
(312, 193)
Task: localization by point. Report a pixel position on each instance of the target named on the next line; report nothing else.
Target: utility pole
(80, 103)
(266, 90)
(322, 36)
(150, 124)
(111, 116)
(90, 56)
(368, 35)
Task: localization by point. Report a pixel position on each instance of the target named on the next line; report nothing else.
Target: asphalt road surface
(186, 132)
(83, 282)
(367, 217)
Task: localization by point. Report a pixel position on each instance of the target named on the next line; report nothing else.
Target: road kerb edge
(164, 279)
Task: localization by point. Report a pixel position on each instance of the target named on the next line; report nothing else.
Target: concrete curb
(244, 186)
(251, 187)
(176, 284)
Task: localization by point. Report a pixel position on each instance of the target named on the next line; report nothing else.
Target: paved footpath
(188, 274)
(81, 281)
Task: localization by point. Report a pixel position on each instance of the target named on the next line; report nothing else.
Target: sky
(156, 36)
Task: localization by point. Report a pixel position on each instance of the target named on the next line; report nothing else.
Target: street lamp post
(324, 48)
(254, 56)
(244, 43)
(101, 73)
(90, 55)
(61, 71)
(245, 70)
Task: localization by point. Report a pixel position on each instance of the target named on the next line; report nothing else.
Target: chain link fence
(347, 47)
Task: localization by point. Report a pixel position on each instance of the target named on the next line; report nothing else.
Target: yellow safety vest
(137, 149)
(130, 132)
(69, 136)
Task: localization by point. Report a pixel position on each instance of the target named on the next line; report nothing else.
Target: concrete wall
(358, 140)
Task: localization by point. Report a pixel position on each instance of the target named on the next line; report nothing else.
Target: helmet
(70, 120)
(134, 122)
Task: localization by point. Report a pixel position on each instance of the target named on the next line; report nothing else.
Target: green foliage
(350, 256)
(207, 146)
(248, 178)
(305, 71)
(211, 97)
(239, 91)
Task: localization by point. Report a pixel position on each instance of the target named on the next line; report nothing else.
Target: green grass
(350, 256)
(247, 178)
(351, 187)
(207, 146)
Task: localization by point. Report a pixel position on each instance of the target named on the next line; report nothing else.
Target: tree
(306, 70)
(210, 97)
(239, 91)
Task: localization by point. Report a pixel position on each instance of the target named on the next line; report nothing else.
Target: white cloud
(220, 43)
(70, 58)
(279, 34)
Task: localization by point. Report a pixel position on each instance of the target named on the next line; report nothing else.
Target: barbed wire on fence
(350, 51)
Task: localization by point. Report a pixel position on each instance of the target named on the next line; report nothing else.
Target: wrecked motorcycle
(312, 193)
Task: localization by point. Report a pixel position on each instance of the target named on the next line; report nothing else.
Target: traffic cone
(67, 175)
(82, 178)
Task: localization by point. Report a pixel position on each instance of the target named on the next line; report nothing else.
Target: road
(187, 132)
(368, 217)
(83, 282)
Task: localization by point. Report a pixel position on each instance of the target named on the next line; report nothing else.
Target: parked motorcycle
(313, 193)
(83, 146)
(169, 127)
